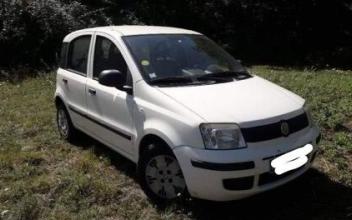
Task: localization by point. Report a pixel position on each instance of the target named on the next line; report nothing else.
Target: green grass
(43, 177)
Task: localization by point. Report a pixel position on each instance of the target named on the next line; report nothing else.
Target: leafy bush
(31, 30)
(265, 31)
(292, 32)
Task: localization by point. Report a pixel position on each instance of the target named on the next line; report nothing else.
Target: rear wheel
(160, 174)
(66, 129)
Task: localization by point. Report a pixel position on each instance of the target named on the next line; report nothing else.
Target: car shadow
(121, 163)
(312, 196)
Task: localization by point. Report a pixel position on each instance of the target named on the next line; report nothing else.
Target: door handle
(92, 91)
(65, 81)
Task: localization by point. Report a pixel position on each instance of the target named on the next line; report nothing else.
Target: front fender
(163, 131)
(173, 132)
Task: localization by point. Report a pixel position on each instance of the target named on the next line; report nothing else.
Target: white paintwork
(174, 115)
(73, 92)
(249, 100)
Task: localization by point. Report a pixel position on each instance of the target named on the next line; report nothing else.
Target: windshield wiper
(191, 79)
(172, 80)
(225, 74)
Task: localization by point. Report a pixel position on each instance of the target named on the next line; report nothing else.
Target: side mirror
(111, 78)
(114, 78)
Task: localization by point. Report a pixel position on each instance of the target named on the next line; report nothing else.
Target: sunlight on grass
(43, 177)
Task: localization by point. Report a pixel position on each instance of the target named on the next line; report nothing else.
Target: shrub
(291, 32)
(31, 30)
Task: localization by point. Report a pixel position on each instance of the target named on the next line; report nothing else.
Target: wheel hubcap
(164, 177)
(62, 122)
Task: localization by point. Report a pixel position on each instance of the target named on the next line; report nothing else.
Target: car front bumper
(223, 175)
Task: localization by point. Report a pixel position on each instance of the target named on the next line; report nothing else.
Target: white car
(184, 110)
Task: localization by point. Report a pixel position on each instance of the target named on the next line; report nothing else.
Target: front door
(110, 108)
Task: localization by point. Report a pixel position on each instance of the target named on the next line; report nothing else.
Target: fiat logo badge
(285, 130)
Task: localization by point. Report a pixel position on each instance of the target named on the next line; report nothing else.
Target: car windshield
(182, 58)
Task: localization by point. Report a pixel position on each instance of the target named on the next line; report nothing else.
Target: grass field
(43, 177)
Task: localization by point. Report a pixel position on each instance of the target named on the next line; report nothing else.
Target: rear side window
(78, 54)
(63, 56)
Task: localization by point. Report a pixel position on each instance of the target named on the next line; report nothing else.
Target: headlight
(309, 115)
(222, 136)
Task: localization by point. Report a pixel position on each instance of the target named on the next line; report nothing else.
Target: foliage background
(43, 177)
(286, 32)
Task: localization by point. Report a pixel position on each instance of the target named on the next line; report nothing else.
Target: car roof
(128, 30)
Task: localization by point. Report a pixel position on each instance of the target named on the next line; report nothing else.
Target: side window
(108, 57)
(63, 55)
(78, 54)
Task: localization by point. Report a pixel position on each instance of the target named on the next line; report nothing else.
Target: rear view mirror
(114, 78)
(111, 78)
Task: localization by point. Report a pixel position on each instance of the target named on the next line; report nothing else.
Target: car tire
(160, 175)
(64, 124)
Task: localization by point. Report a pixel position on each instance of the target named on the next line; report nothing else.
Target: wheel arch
(58, 100)
(151, 138)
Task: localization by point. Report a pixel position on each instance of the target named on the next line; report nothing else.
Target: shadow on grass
(312, 196)
(121, 163)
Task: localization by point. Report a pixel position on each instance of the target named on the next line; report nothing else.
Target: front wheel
(160, 175)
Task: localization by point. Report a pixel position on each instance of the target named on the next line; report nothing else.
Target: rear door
(110, 109)
(73, 78)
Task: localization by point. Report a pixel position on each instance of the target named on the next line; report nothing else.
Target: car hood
(249, 100)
